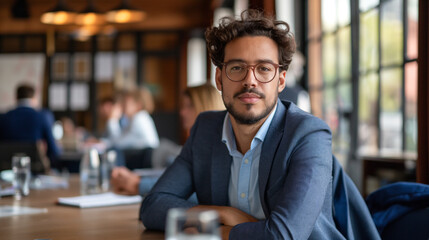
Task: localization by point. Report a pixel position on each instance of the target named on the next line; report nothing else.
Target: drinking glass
(21, 175)
(108, 163)
(192, 225)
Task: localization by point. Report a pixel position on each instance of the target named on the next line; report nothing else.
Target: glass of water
(21, 167)
(192, 225)
(107, 165)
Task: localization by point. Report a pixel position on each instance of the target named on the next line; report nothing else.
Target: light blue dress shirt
(243, 191)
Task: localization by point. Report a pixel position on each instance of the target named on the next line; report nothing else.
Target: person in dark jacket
(26, 124)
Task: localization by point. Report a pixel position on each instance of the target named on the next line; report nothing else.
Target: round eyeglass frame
(276, 66)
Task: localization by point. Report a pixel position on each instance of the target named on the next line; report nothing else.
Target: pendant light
(125, 14)
(60, 15)
(90, 16)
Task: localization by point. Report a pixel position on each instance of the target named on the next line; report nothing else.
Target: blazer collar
(221, 171)
(221, 161)
(269, 149)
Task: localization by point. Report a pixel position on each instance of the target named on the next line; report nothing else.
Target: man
(26, 124)
(264, 165)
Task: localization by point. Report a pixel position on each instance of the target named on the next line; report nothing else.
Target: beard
(248, 118)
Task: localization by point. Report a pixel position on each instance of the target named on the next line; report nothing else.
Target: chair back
(138, 158)
(39, 161)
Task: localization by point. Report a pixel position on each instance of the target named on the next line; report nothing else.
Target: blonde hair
(147, 98)
(205, 98)
(143, 97)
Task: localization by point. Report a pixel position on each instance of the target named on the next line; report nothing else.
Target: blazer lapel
(269, 149)
(220, 173)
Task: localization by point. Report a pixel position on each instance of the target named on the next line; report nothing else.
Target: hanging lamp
(90, 16)
(60, 15)
(125, 14)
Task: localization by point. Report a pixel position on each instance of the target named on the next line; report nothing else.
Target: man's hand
(116, 112)
(124, 181)
(228, 216)
(224, 232)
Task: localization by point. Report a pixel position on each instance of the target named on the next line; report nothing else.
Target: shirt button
(246, 161)
(242, 195)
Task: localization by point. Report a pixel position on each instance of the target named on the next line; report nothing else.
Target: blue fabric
(49, 116)
(146, 184)
(395, 200)
(351, 214)
(26, 124)
(295, 181)
(243, 192)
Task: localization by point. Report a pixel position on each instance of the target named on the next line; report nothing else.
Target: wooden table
(399, 162)
(63, 222)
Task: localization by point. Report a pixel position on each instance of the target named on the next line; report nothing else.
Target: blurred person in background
(194, 101)
(26, 123)
(106, 107)
(73, 136)
(141, 131)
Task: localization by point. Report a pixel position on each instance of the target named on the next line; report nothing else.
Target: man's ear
(282, 81)
(218, 79)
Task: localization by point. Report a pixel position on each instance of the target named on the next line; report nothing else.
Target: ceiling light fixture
(60, 15)
(125, 14)
(90, 16)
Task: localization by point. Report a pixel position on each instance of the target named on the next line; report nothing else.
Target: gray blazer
(295, 178)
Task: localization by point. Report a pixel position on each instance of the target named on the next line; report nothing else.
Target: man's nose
(250, 79)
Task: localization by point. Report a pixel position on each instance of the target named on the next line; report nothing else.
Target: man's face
(249, 100)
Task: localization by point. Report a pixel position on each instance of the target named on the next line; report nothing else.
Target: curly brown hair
(252, 23)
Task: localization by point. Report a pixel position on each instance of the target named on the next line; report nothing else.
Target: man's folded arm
(172, 190)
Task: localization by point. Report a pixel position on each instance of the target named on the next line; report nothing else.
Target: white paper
(58, 97)
(60, 67)
(16, 69)
(82, 66)
(125, 71)
(49, 182)
(104, 67)
(100, 200)
(79, 97)
(7, 192)
(7, 211)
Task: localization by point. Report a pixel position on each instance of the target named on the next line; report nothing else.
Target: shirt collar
(228, 134)
(24, 102)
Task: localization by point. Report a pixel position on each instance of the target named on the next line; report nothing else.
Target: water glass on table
(192, 225)
(21, 167)
(107, 165)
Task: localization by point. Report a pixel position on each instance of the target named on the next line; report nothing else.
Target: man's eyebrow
(257, 61)
(236, 60)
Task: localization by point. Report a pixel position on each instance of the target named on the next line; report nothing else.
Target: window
(388, 76)
(329, 54)
(386, 62)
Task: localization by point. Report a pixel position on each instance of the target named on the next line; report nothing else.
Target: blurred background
(358, 66)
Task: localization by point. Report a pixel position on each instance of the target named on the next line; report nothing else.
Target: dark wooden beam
(423, 93)
(266, 5)
(161, 15)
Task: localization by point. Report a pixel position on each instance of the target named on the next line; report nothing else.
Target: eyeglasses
(264, 72)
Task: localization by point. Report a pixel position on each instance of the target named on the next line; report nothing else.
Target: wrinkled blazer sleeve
(172, 190)
(296, 200)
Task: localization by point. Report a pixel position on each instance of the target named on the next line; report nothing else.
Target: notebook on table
(99, 200)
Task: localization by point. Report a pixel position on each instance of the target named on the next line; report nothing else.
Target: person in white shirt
(194, 101)
(141, 131)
